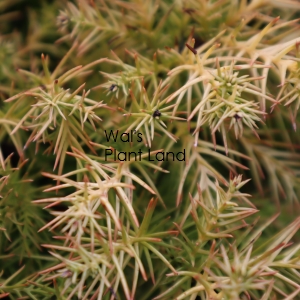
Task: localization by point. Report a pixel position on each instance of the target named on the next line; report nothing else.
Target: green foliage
(217, 81)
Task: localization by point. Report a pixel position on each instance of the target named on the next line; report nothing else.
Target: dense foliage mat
(132, 136)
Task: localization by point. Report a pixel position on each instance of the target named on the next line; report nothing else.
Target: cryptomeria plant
(149, 149)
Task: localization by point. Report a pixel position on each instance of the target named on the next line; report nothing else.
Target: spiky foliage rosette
(217, 81)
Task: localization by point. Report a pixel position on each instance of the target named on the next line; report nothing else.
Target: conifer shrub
(149, 149)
